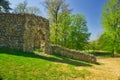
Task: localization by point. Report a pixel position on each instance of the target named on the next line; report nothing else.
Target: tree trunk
(114, 45)
(56, 28)
(113, 52)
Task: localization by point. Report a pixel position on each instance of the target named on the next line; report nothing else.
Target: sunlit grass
(18, 65)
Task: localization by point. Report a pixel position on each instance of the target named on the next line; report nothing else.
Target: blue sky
(91, 9)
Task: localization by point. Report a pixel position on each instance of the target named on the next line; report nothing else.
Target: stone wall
(74, 54)
(24, 32)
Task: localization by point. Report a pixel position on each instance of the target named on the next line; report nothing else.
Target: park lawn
(18, 65)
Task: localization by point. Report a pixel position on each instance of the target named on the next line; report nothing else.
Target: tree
(64, 21)
(105, 42)
(53, 7)
(64, 8)
(79, 32)
(111, 22)
(67, 29)
(33, 10)
(22, 8)
(73, 32)
(4, 6)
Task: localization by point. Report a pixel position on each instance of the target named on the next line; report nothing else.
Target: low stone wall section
(74, 54)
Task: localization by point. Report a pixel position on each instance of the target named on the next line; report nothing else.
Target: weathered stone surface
(24, 32)
(74, 54)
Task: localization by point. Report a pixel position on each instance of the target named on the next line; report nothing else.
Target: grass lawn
(18, 65)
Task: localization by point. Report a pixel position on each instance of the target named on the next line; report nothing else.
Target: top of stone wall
(24, 15)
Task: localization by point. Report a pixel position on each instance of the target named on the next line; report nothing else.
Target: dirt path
(109, 69)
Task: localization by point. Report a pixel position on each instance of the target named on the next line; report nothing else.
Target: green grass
(18, 65)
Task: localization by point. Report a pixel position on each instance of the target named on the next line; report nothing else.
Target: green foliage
(18, 65)
(72, 31)
(79, 32)
(94, 45)
(105, 42)
(54, 7)
(67, 30)
(111, 23)
(64, 21)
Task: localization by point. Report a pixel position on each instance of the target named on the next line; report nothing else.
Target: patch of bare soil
(109, 69)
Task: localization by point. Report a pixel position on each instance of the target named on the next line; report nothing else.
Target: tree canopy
(111, 24)
(67, 29)
(4, 6)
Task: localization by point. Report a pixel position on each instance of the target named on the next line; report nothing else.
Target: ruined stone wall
(36, 33)
(74, 54)
(12, 30)
(24, 32)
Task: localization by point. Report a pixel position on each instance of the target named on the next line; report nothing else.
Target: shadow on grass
(72, 61)
(102, 54)
(1, 78)
(54, 58)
